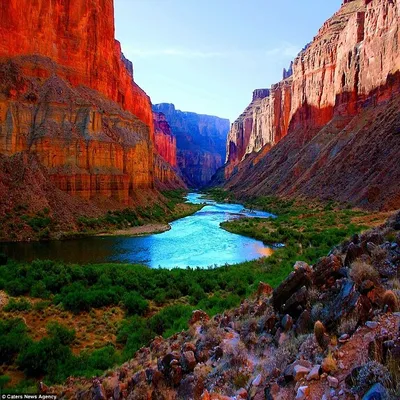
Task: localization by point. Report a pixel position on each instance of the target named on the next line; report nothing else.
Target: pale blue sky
(207, 56)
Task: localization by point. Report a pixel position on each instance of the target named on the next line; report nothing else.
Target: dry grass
(329, 364)
(348, 324)
(361, 271)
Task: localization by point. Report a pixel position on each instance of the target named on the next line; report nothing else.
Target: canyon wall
(166, 172)
(200, 140)
(67, 95)
(165, 141)
(78, 35)
(330, 129)
(263, 123)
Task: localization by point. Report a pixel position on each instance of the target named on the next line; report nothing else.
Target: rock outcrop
(67, 95)
(200, 141)
(334, 119)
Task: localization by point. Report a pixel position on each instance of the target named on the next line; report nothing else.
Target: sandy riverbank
(147, 229)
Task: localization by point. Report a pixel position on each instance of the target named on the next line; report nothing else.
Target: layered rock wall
(348, 74)
(67, 94)
(353, 53)
(88, 144)
(165, 141)
(78, 35)
(200, 141)
(264, 122)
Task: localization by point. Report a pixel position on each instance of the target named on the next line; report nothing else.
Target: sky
(207, 56)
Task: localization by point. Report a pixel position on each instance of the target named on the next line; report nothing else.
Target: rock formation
(165, 141)
(67, 96)
(334, 120)
(78, 35)
(166, 172)
(200, 141)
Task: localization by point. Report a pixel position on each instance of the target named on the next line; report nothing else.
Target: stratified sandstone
(88, 144)
(334, 119)
(78, 35)
(68, 96)
(165, 141)
(200, 141)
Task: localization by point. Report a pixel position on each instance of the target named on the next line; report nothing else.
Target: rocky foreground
(329, 331)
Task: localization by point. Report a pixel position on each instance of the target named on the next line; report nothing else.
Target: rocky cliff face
(166, 170)
(165, 141)
(200, 141)
(336, 114)
(78, 35)
(263, 123)
(67, 95)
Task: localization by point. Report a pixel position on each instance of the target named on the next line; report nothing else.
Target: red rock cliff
(79, 35)
(349, 73)
(67, 95)
(165, 141)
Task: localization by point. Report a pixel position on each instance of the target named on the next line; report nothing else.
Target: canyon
(71, 111)
(319, 131)
(200, 141)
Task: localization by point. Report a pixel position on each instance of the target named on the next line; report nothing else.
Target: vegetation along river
(194, 241)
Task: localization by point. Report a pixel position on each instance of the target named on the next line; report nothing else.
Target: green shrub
(60, 333)
(170, 320)
(12, 338)
(4, 381)
(43, 357)
(39, 290)
(41, 305)
(135, 304)
(76, 302)
(103, 359)
(133, 334)
(17, 305)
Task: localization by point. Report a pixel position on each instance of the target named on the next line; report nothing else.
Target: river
(194, 241)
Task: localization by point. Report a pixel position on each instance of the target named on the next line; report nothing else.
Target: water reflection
(195, 241)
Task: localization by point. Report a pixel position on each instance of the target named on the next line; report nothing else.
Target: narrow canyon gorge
(200, 141)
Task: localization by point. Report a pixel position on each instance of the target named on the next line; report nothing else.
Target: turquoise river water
(194, 241)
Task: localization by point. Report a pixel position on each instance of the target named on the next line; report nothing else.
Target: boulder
(296, 302)
(354, 251)
(327, 268)
(302, 392)
(333, 382)
(198, 316)
(342, 304)
(300, 372)
(304, 323)
(313, 375)
(287, 323)
(294, 282)
(188, 361)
